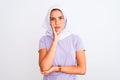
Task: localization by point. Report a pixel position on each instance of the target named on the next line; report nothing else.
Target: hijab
(65, 32)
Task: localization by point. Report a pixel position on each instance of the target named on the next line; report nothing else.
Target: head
(57, 20)
(56, 17)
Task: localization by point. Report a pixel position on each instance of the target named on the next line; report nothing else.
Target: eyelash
(60, 17)
(54, 18)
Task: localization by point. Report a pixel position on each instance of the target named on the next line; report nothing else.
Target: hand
(52, 69)
(55, 34)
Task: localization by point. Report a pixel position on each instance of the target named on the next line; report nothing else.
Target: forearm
(47, 61)
(73, 70)
(66, 69)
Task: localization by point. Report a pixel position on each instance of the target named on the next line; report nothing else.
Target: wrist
(56, 68)
(59, 68)
(55, 41)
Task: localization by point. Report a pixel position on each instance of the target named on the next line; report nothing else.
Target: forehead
(56, 12)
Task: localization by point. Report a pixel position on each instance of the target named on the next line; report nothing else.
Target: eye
(61, 17)
(52, 18)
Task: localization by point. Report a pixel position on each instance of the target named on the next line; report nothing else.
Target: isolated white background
(96, 21)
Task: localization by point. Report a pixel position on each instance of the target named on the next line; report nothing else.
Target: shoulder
(45, 37)
(75, 37)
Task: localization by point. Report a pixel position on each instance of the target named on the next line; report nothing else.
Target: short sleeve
(79, 44)
(42, 43)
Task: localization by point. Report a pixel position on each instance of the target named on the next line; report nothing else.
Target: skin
(46, 58)
(57, 21)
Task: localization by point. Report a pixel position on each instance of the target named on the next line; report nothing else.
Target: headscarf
(65, 32)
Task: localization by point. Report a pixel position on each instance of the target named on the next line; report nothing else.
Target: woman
(61, 53)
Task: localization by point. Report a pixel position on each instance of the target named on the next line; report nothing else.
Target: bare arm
(46, 57)
(79, 69)
(81, 65)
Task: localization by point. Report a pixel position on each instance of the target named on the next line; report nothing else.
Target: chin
(57, 30)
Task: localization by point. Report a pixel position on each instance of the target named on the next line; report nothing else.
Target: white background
(96, 21)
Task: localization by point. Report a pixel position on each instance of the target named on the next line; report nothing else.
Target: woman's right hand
(55, 34)
(52, 69)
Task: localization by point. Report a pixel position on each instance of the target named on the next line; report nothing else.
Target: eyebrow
(57, 17)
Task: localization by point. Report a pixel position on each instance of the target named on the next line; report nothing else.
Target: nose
(57, 21)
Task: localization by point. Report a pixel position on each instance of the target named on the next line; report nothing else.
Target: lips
(57, 27)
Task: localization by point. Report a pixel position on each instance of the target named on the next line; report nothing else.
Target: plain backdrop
(97, 22)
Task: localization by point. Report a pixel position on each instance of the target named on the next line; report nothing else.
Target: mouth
(57, 27)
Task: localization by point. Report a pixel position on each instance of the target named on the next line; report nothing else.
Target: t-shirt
(65, 55)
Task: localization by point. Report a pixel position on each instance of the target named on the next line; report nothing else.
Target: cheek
(63, 24)
(52, 23)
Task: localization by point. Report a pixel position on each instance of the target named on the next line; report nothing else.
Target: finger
(53, 28)
(45, 73)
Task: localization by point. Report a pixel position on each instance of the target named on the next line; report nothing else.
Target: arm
(79, 69)
(81, 65)
(46, 57)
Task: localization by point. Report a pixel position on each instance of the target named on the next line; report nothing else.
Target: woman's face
(57, 20)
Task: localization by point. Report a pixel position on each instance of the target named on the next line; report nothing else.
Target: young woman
(61, 53)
